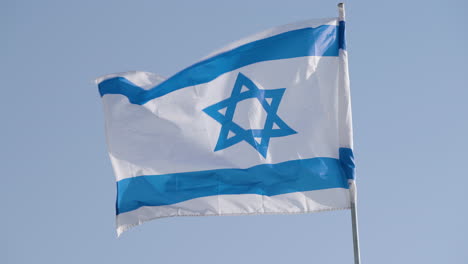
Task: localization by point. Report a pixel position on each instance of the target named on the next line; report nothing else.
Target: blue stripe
(347, 162)
(324, 40)
(265, 179)
(342, 35)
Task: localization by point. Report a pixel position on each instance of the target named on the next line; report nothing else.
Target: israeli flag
(262, 126)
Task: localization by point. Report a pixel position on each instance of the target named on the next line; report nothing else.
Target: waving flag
(262, 126)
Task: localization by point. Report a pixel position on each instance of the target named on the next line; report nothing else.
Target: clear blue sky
(408, 66)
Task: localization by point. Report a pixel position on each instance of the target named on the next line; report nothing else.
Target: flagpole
(352, 184)
(354, 222)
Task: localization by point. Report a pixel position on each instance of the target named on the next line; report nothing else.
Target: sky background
(408, 67)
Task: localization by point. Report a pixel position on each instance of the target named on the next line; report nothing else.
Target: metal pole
(352, 184)
(354, 222)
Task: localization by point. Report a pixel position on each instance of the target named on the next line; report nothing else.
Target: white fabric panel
(142, 138)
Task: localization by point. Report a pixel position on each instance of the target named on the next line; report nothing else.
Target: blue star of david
(249, 135)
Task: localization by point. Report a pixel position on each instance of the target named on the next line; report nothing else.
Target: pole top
(341, 11)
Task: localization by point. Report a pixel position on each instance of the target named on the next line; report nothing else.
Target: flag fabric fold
(262, 126)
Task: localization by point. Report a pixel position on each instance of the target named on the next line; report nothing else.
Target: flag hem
(121, 229)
